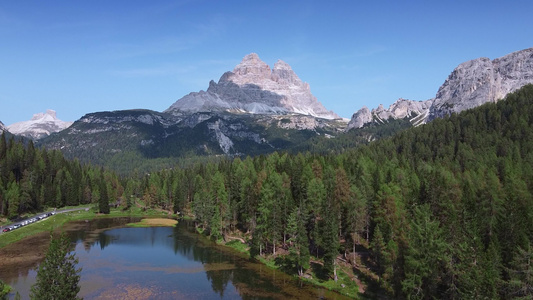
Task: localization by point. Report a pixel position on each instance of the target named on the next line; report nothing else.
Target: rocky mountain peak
(282, 73)
(401, 108)
(360, 118)
(470, 84)
(252, 67)
(481, 80)
(281, 65)
(49, 115)
(40, 125)
(252, 87)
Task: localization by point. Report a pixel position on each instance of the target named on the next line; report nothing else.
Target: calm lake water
(166, 263)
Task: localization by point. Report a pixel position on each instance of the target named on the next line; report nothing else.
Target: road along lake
(120, 262)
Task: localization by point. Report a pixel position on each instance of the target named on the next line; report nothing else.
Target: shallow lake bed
(157, 263)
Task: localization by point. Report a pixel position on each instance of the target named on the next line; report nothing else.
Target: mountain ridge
(258, 119)
(470, 84)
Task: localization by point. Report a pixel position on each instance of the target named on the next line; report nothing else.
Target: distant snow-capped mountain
(252, 87)
(41, 125)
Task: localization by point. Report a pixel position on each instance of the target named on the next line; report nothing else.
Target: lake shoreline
(39, 240)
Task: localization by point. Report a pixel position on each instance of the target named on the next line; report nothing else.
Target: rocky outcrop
(360, 118)
(416, 111)
(41, 125)
(481, 80)
(471, 84)
(2, 127)
(252, 87)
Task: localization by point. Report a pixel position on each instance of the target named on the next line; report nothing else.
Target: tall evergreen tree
(103, 201)
(57, 277)
(426, 256)
(520, 285)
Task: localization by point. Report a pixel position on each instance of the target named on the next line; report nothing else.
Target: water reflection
(167, 263)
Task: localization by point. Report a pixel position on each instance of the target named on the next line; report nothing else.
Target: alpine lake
(121, 262)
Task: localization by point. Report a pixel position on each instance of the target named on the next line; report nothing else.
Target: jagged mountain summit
(471, 84)
(2, 127)
(481, 80)
(252, 87)
(40, 125)
(416, 111)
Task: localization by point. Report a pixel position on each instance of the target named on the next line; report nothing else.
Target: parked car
(6, 229)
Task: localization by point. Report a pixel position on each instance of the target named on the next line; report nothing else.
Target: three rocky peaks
(254, 88)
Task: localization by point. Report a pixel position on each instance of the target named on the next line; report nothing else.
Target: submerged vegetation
(442, 210)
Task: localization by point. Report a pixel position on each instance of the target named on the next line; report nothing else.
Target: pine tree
(103, 201)
(13, 198)
(221, 205)
(520, 285)
(378, 248)
(330, 240)
(426, 256)
(57, 277)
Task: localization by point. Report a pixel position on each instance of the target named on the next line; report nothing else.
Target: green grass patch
(269, 262)
(47, 224)
(237, 245)
(58, 220)
(187, 217)
(350, 288)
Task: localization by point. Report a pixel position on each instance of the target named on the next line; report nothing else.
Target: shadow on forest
(372, 283)
(319, 271)
(286, 264)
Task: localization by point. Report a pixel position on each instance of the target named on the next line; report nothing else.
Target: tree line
(33, 179)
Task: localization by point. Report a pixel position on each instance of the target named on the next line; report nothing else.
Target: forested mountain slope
(145, 140)
(446, 208)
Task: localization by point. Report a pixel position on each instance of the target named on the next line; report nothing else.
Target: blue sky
(78, 57)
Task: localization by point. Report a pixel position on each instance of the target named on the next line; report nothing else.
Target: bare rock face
(481, 80)
(252, 87)
(471, 84)
(360, 118)
(416, 111)
(2, 127)
(402, 108)
(41, 125)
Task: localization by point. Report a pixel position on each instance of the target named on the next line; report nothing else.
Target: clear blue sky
(78, 57)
